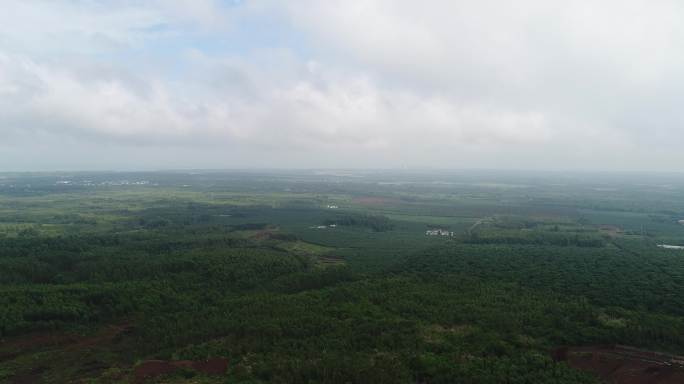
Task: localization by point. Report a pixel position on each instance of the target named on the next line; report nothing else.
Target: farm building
(438, 232)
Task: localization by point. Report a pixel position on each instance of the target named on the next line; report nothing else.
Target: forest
(101, 279)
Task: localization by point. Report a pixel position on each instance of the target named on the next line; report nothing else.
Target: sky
(391, 84)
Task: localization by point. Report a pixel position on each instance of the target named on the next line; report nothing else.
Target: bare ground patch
(617, 364)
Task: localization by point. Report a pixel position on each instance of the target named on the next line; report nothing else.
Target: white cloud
(316, 110)
(533, 84)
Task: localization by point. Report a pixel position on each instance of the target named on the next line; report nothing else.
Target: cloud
(530, 84)
(313, 110)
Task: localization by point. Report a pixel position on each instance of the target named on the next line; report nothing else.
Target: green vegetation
(373, 222)
(105, 271)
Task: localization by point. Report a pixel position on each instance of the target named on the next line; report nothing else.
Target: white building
(438, 232)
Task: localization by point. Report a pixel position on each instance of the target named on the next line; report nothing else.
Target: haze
(579, 85)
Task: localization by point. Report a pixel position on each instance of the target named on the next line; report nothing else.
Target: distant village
(89, 183)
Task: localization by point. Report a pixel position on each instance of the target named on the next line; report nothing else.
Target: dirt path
(477, 223)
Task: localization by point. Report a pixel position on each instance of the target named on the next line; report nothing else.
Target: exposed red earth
(154, 368)
(618, 364)
(62, 349)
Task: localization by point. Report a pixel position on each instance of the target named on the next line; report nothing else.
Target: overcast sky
(588, 85)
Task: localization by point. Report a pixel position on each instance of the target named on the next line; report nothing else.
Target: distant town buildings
(90, 183)
(332, 206)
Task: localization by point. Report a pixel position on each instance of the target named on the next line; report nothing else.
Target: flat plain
(341, 277)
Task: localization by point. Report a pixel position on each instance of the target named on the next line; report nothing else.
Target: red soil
(71, 347)
(215, 366)
(13, 347)
(154, 368)
(617, 364)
